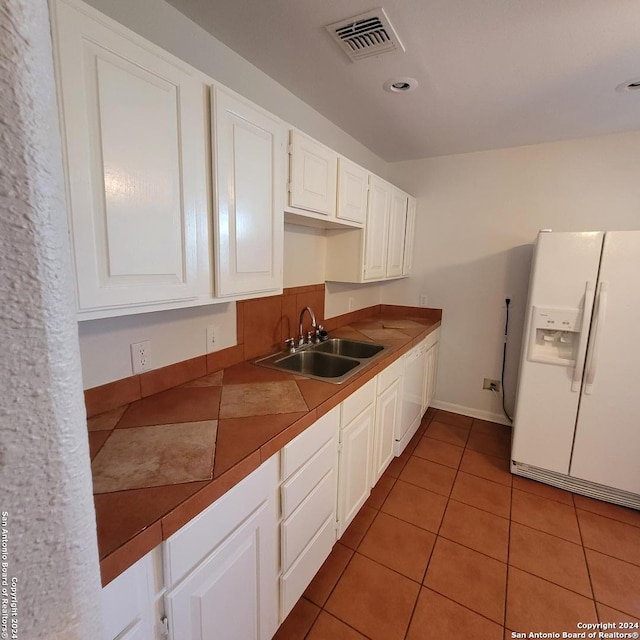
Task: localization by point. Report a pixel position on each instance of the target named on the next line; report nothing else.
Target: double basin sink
(334, 360)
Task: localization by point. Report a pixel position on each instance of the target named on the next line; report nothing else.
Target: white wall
(178, 335)
(478, 214)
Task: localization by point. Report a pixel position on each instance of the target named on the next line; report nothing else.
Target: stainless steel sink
(349, 348)
(335, 360)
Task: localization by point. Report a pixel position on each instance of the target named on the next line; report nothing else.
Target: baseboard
(500, 418)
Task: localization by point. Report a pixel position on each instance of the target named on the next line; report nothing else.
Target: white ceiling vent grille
(366, 35)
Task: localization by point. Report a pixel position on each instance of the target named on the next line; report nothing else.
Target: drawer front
(307, 444)
(432, 338)
(297, 578)
(303, 524)
(387, 377)
(357, 402)
(300, 484)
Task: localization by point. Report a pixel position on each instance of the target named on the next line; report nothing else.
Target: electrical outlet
(212, 332)
(423, 300)
(351, 303)
(141, 356)
(491, 385)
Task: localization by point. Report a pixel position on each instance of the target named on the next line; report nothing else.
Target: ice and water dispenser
(555, 335)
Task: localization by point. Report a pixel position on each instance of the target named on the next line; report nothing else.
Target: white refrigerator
(577, 415)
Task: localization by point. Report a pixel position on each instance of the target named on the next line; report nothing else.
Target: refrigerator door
(607, 441)
(563, 277)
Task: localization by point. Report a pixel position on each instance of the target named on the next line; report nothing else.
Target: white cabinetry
(396, 235)
(355, 450)
(134, 132)
(308, 493)
(250, 171)
(221, 568)
(388, 414)
(353, 188)
(409, 236)
(431, 345)
(376, 230)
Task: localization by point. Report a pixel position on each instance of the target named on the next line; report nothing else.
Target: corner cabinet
(134, 128)
(250, 174)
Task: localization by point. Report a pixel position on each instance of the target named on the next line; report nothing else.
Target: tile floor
(450, 545)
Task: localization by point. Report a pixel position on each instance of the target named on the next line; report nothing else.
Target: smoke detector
(368, 34)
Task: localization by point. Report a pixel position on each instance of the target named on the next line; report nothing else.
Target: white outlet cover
(212, 332)
(423, 300)
(141, 356)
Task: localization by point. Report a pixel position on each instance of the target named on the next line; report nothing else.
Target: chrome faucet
(314, 326)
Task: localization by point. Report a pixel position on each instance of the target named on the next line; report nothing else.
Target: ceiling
(491, 73)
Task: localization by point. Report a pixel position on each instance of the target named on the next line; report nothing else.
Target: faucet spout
(314, 324)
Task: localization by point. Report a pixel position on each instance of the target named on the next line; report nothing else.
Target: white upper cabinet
(250, 170)
(397, 225)
(313, 175)
(353, 188)
(409, 237)
(376, 230)
(134, 132)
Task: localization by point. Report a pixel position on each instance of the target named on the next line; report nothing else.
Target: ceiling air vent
(366, 35)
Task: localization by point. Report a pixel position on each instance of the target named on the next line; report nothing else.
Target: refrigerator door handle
(592, 362)
(584, 334)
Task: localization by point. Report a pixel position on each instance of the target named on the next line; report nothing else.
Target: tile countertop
(161, 460)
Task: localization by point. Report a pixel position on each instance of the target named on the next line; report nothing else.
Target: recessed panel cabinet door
(353, 188)
(387, 416)
(376, 239)
(250, 157)
(397, 227)
(134, 131)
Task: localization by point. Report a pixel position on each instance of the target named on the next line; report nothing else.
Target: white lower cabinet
(221, 568)
(431, 369)
(308, 494)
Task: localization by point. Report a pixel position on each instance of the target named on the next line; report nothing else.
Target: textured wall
(45, 476)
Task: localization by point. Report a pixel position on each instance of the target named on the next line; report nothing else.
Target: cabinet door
(353, 188)
(134, 133)
(250, 157)
(354, 483)
(397, 227)
(430, 377)
(387, 417)
(409, 239)
(375, 242)
(313, 175)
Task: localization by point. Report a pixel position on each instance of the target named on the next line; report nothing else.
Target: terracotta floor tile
(453, 418)
(614, 511)
(96, 440)
(328, 575)
(615, 583)
(485, 426)
(106, 421)
(545, 515)
(174, 405)
(607, 614)
(380, 492)
(352, 537)
(396, 466)
(549, 557)
(375, 600)
(493, 444)
(326, 627)
(438, 618)
(543, 490)
(429, 475)
(533, 604)
(238, 437)
(486, 466)
(398, 545)
(469, 578)
(481, 493)
(610, 537)
(298, 622)
(155, 456)
(440, 452)
(447, 433)
(415, 505)
(476, 529)
(263, 398)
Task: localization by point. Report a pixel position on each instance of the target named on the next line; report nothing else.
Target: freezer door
(564, 273)
(607, 441)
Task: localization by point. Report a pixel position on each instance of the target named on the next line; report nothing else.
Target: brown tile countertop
(159, 461)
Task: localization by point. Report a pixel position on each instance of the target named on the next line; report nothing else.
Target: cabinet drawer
(295, 581)
(300, 484)
(307, 519)
(387, 377)
(357, 402)
(305, 446)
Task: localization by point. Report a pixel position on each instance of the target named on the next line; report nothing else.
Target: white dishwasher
(415, 365)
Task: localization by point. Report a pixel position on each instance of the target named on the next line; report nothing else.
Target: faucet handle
(321, 334)
(291, 344)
